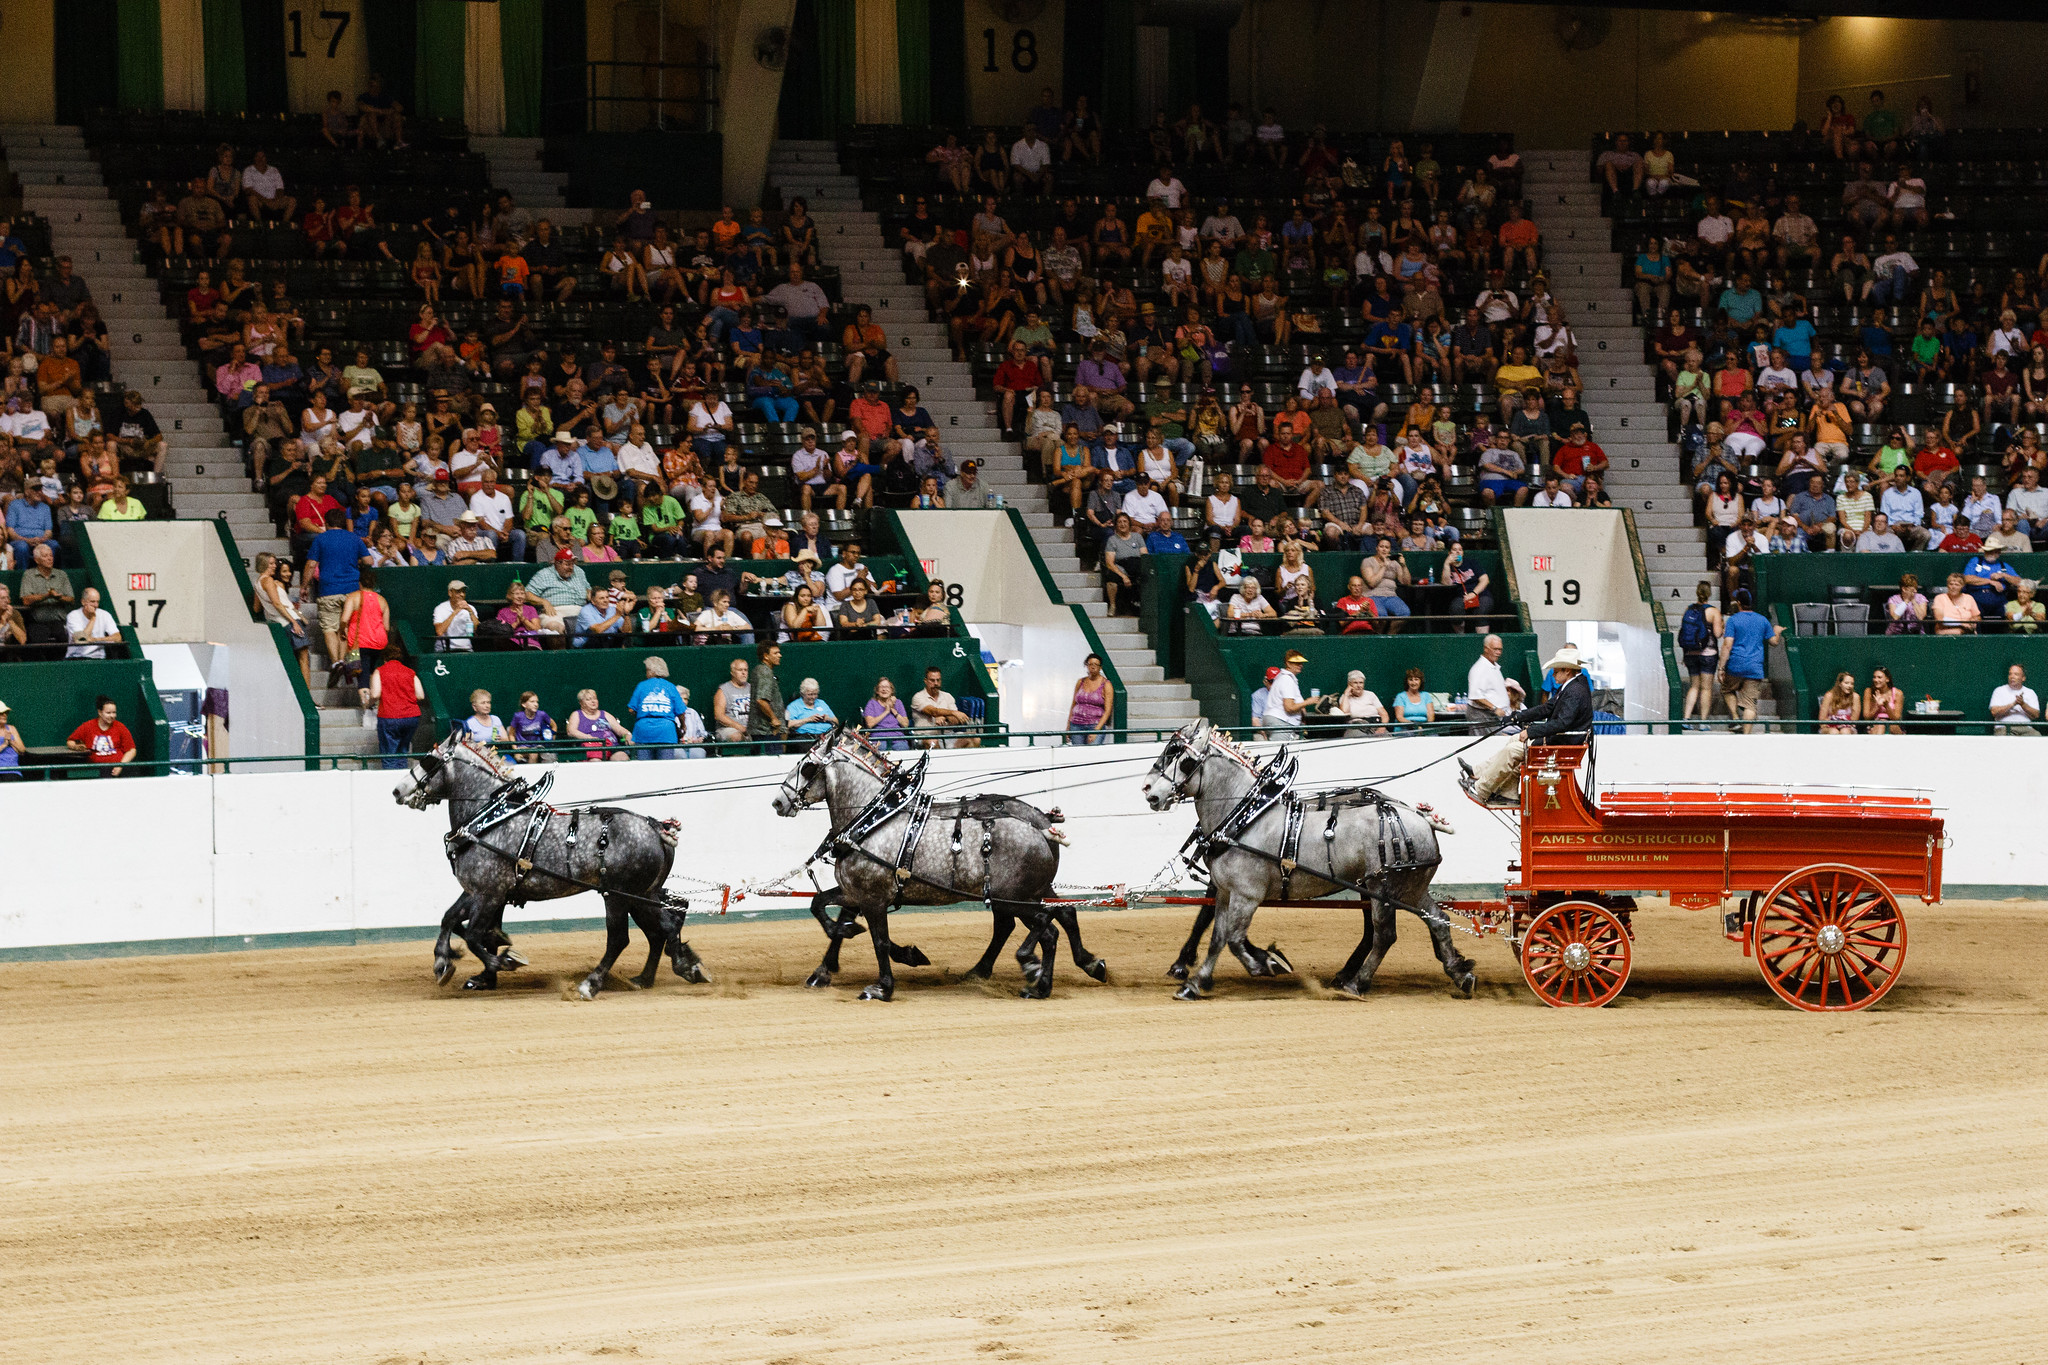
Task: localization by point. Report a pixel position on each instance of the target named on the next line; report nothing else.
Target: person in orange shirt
(725, 232)
(1517, 234)
(866, 344)
(512, 273)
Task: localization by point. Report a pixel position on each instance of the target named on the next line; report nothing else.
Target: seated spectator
(104, 739)
(1812, 510)
(480, 726)
(605, 620)
(1123, 564)
(597, 730)
(2014, 705)
(938, 719)
(884, 718)
(720, 624)
(11, 746)
(733, 704)
(1384, 575)
(120, 506)
(1839, 707)
(809, 716)
(1878, 539)
(1955, 611)
(1247, 608)
(530, 730)
(87, 625)
(856, 616)
(1991, 581)
(2023, 614)
(803, 618)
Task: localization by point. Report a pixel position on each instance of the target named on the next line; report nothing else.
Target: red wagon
(1813, 878)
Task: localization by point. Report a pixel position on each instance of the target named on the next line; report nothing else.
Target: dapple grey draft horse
(991, 848)
(1201, 764)
(507, 846)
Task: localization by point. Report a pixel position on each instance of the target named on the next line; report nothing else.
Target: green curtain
(85, 71)
(519, 46)
(139, 38)
(438, 88)
(914, 58)
(835, 65)
(391, 33)
(227, 70)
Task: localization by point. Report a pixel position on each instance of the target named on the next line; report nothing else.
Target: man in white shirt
(86, 623)
(638, 462)
(1143, 504)
(455, 620)
(1368, 263)
(840, 576)
(263, 183)
(1284, 702)
(2029, 502)
(494, 510)
(358, 425)
(1489, 693)
(707, 525)
(1167, 186)
(1982, 508)
(932, 708)
(1894, 272)
(1715, 227)
(1552, 495)
(2013, 703)
(1496, 303)
(1905, 509)
(1317, 381)
(1031, 160)
(1223, 226)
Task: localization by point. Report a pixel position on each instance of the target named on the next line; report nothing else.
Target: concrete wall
(196, 863)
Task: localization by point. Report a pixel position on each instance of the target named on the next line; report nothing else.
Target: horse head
(1177, 773)
(439, 774)
(805, 785)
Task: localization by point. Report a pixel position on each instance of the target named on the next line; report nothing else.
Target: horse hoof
(1098, 969)
(1276, 962)
(910, 955)
(1467, 984)
(1188, 992)
(444, 969)
(1029, 993)
(478, 983)
(1032, 971)
(509, 960)
(588, 990)
(818, 980)
(1178, 972)
(878, 992)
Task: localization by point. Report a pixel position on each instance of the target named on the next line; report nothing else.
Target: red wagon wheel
(1576, 953)
(1830, 937)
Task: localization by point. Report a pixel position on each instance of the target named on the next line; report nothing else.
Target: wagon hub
(1831, 939)
(1577, 957)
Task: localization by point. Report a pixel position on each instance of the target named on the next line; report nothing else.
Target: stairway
(515, 166)
(60, 181)
(871, 272)
(1645, 472)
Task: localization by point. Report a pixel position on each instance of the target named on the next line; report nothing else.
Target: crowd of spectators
(1282, 709)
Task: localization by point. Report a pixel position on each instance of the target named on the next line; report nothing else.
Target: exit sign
(142, 582)
(1539, 563)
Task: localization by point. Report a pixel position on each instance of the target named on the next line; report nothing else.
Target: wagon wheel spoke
(1830, 938)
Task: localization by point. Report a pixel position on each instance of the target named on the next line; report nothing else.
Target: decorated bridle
(428, 765)
(836, 745)
(1190, 747)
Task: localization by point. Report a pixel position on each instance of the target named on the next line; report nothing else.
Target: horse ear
(454, 733)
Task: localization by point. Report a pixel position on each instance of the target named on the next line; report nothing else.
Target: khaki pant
(1498, 771)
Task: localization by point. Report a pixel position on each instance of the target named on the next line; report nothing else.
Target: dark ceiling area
(2000, 11)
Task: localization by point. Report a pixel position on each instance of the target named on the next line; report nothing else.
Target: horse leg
(1459, 968)
(446, 951)
(1005, 925)
(1046, 930)
(1203, 918)
(1085, 960)
(1345, 980)
(682, 958)
(654, 924)
(1233, 916)
(885, 978)
(614, 944)
(478, 933)
(848, 924)
(1383, 935)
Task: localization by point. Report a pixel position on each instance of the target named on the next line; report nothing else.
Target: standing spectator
(2014, 705)
(334, 564)
(765, 722)
(87, 625)
(1745, 637)
(104, 738)
(657, 709)
(1093, 707)
(1284, 703)
(396, 693)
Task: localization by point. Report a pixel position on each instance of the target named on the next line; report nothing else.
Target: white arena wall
(196, 864)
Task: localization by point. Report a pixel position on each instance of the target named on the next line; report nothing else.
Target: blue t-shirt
(336, 551)
(1746, 631)
(1398, 335)
(1741, 305)
(1795, 339)
(1876, 340)
(1171, 543)
(657, 708)
(1654, 267)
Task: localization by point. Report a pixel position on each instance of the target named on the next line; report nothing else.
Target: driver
(1567, 718)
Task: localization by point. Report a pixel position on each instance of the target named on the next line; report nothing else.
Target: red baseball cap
(1271, 674)
(561, 555)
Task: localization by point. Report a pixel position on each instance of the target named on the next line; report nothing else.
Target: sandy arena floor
(316, 1156)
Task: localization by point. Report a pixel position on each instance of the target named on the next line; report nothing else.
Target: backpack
(1694, 635)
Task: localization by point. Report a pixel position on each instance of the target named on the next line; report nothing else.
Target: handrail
(657, 101)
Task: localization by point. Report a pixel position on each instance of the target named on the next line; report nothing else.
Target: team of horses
(891, 845)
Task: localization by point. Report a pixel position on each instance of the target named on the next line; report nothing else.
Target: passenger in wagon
(1567, 718)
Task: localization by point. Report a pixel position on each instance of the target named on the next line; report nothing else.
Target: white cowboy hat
(1566, 657)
